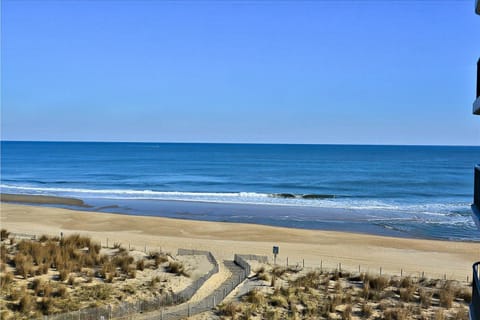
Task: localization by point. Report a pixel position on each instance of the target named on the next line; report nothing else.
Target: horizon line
(245, 143)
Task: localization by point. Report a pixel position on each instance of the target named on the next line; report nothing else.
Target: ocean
(406, 191)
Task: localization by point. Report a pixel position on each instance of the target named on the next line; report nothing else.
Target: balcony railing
(476, 187)
(476, 196)
(475, 305)
(476, 104)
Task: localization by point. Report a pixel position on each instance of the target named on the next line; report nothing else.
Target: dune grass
(340, 295)
(53, 275)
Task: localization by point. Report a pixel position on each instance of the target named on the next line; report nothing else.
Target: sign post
(275, 252)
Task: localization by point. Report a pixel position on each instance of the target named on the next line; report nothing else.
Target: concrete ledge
(476, 106)
(476, 215)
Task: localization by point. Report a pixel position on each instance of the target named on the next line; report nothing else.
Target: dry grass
(261, 274)
(229, 309)
(336, 295)
(158, 258)
(52, 275)
(396, 314)
(177, 268)
(446, 295)
(255, 297)
(366, 310)
(4, 234)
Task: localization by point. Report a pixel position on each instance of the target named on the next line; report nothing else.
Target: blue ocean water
(417, 191)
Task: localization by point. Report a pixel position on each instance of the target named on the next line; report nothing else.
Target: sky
(326, 72)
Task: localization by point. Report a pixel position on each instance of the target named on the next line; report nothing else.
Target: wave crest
(282, 199)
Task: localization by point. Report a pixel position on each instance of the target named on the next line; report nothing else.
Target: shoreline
(435, 258)
(41, 199)
(376, 222)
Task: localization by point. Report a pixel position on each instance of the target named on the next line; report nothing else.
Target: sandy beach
(310, 247)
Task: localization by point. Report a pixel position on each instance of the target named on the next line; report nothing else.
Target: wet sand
(23, 198)
(314, 248)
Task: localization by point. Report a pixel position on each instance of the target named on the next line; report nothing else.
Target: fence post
(380, 270)
(303, 263)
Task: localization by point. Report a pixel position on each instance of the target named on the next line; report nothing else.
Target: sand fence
(128, 310)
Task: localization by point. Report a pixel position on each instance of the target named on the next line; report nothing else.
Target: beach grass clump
(229, 309)
(278, 271)
(132, 272)
(4, 234)
(154, 281)
(461, 314)
(445, 293)
(96, 292)
(407, 294)
(439, 315)
(425, 296)
(37, 286)
(465, 294)
(278, 301)
(23, 265)
(406, 282)
(5, 279)
(396, 314)
(62, 292)
(366, 310)
(25, 304)
(347, 312)
(311, 279)
(377, 283)
(262, 274)
(123, 261)
(45, 305)
(76, 241)
(177, 268)
(3, 254)
(446, 297)
(157, 257)
(141, 264)
(255, 297)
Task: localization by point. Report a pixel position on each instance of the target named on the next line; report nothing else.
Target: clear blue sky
(360, 72)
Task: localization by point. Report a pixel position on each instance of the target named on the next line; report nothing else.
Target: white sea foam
(433, 209)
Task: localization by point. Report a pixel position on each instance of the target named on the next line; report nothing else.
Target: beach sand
(314, 248)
